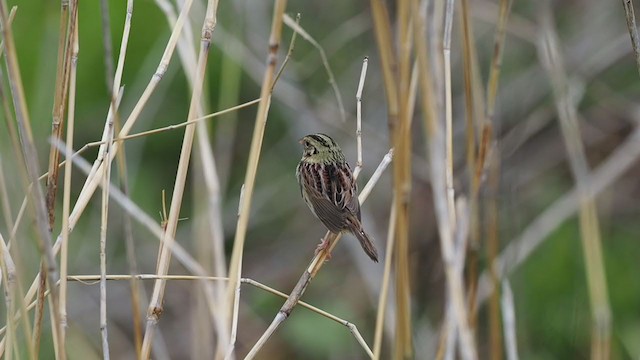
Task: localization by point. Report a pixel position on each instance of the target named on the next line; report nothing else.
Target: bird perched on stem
(329, 189)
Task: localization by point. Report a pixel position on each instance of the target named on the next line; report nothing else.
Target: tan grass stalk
(62, 82)
(492, 251)
(384, 288)
(65, 42)
(519, 249)
(509, 319)
(486, 139)
(363, 75)
(134, 285)
(210, 244)
(155, 304)
(235, 267)
(398, 120)
(316, 264)
(474, 114)
(104, 222)
(31, 159)
(633, 29)
(589, 224)
(446, 51)
(66, 197)
(496, 60)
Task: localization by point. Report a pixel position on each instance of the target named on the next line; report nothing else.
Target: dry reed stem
(65, 43)
(519, 249)
(402, 140)
(67, 31)
(398, 95)
(509, 320)
(316, 264)
(30, 156)
(295, 26)
(236, 300)
(188, 55)
(496, 60)
(363, 75)
(235, 267)
(446, 51)
(66, 196)
(589, 225)
(492, 236)
(633, 29)
(486, 139)
(155, 304)
(473, 115)
(104, 222)
(384, 288)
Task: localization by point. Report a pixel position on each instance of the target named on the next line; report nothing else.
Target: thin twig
(332, 80)
(363, 75)
(633, 29)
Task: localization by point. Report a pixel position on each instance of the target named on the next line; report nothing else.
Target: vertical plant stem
(104, 222)
(493, 248)
(363, 75)
(155, 305)
(235, 267)
(398, 120)
(66, 200)
(384, 289)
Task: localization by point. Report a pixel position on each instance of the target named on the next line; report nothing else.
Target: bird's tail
(367, 244)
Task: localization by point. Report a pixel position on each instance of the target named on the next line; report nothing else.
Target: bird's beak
(300, 141)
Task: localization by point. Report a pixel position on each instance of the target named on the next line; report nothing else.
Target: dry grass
(466, 202)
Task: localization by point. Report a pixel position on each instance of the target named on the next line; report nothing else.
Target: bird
(330, 191)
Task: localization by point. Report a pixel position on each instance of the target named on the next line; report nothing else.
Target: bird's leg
(324, 244)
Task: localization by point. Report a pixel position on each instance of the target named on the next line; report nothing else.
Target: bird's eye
(306, 144)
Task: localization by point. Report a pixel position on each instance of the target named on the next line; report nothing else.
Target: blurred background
(529, 165)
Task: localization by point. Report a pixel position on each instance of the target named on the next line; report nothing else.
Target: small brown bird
(329, 189)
